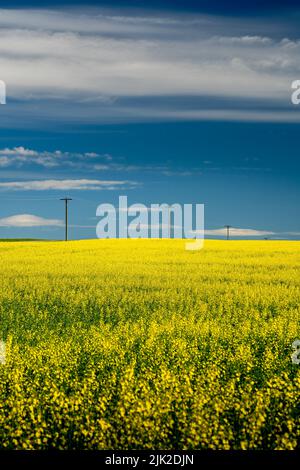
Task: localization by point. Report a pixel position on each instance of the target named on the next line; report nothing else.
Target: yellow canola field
(140, 344)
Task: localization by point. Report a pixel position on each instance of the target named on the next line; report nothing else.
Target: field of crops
(139, 344)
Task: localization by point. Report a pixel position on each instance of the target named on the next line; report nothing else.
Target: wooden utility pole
(66, 199)
(228, 227)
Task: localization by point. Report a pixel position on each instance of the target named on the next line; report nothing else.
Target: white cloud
(235, 232)
(20, 156)
(207, 114)
(44, 63)
(18, 151)
(65, 185)
(83, 57)
(29, 220)
(239, 232)
(90, 161)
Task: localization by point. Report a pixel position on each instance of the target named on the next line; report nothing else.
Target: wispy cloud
(65, 185)
(90, 161)
(19, 156)
(239, 232)
(94, 60)
(29, 220)
(292, 234)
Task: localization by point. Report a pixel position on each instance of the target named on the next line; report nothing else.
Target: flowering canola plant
(140, 344)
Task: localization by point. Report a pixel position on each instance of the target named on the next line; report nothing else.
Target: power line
(29, 199)
(84, 200)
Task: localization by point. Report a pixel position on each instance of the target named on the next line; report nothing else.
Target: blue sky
(185, 102)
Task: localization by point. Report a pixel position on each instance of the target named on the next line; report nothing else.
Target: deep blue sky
(252, 7)
(242, 163)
